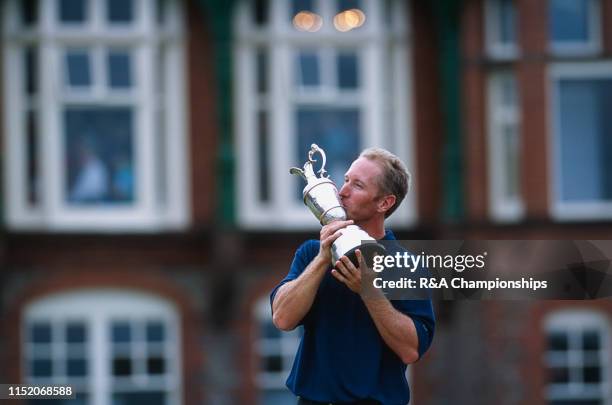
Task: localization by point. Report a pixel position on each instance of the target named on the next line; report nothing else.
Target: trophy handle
(298, 172)
(314, 148)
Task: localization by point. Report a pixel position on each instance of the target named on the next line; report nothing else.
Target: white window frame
(385, 109)
(572, 322)
(581, 48)
(501, 208)
(570, 211)
(494, 46)
(144, 39)
(98, 308)
(285, 346)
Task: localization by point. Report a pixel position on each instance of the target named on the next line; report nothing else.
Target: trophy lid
(308, 173)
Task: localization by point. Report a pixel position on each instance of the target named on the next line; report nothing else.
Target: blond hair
(395, 178)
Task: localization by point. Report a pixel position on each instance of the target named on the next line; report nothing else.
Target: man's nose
(343, 191)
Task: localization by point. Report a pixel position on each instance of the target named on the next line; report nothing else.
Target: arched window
(115, 347)
(274, 351)
(577, 358)
(335, 73)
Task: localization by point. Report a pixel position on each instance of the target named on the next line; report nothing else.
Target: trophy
(321, 197)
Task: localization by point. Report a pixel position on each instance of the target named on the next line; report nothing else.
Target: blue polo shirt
(342, 357)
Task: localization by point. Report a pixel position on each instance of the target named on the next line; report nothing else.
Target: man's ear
(386, 203)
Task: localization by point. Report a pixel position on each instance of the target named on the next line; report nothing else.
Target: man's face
(360, 193)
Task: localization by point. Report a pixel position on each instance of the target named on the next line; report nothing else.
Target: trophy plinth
(321, 197)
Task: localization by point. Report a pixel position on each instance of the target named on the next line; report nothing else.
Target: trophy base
(353, 238)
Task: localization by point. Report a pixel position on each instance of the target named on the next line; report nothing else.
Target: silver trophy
(321, 197)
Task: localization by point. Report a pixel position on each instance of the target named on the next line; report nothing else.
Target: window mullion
(371, 106)
(174, 137)
(51, 152)
(144, 130)
(576, 359)
(100, 83)
(326, 8)
(172, 352)
(282, 140)
(279, 18)
(138, 353)
(57, 369)
(96, 13)
(145, 18)
(400, 106)
(246, 107)
(8, 8)
(329, 83)
(374, 11)
(14, 127)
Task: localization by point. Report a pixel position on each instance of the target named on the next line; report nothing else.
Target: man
(355, 345)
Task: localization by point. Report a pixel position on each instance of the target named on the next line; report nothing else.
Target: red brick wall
(113, 251)
(474, 112)
(533, 107)
(203, 124)
(427, 112)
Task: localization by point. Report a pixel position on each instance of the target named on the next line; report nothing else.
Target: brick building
(148, 209)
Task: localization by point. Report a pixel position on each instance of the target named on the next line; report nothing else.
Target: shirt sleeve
(303, 256)
(422, 314)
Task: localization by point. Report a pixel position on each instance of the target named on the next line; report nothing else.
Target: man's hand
(351, 276)
(329, 233)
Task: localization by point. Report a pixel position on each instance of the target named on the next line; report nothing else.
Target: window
(95, 128)
(274, 351)
(574, 26)
(327, 72)
(113, 346)
(577, 358)
(505, 200)
(501, 28)
(581, 140)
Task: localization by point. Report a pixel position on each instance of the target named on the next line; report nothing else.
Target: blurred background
(148, 209)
